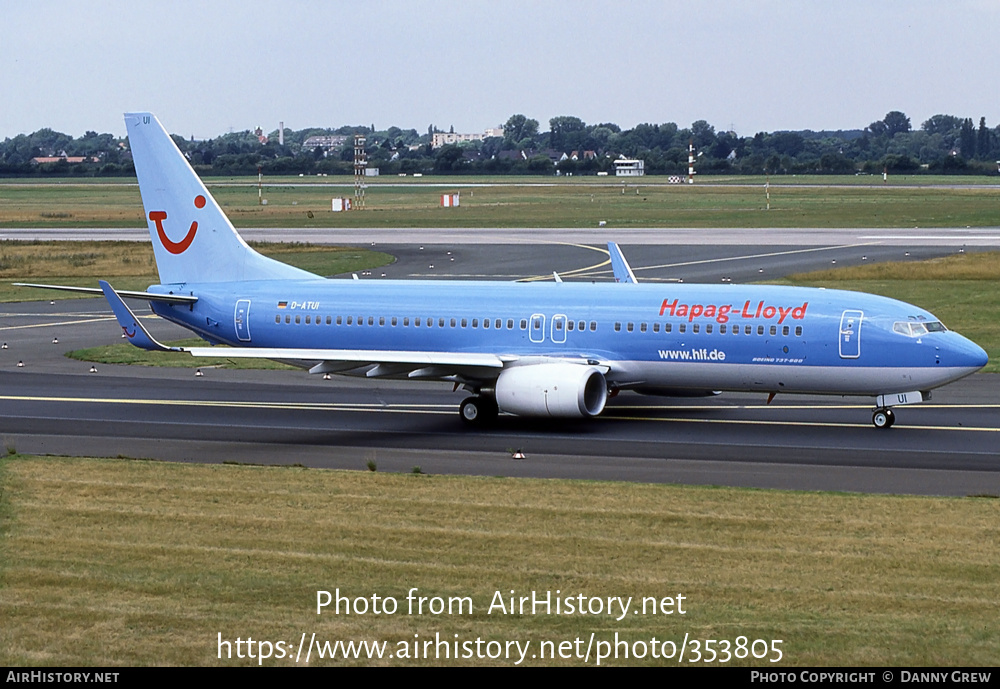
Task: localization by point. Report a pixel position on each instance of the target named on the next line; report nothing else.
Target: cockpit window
(915, 329)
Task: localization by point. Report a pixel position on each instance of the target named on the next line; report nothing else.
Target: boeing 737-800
(556, 349)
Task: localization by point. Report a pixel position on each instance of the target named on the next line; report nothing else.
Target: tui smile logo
(176, 247)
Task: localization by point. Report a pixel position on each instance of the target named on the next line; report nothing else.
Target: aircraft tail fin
(193, 240)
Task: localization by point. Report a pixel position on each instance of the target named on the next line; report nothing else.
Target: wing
(371, 363)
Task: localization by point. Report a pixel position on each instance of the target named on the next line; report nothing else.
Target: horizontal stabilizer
(129, 294)
(133, 329)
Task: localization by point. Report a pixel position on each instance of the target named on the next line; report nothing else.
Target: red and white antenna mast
(691, 171)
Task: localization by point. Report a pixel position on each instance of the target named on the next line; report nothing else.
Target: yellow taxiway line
(448, 409)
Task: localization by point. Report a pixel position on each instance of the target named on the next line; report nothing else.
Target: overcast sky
(208, 66)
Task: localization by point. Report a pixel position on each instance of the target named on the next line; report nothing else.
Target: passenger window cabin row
(709, 328)
(430, 322)
(538, 323)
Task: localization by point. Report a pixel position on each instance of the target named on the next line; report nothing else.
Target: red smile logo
(176, 247)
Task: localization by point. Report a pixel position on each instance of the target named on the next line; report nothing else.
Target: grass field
(130, 265)
(116, 562)
(124, 353)
(534, 202)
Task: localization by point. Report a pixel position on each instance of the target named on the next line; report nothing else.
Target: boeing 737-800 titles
(556, 349)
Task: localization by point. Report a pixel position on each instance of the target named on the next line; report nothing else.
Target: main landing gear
(883, 418)
(479, 410)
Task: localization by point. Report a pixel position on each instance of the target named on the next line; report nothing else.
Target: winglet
(133, 329)
(623, 271)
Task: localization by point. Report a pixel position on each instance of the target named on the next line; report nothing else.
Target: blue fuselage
(719, 337)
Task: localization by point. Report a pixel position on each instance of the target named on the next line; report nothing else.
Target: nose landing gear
(883, 418)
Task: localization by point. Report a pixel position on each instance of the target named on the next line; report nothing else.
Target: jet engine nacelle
(558, 390)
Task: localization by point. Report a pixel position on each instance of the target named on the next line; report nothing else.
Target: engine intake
(560, 390)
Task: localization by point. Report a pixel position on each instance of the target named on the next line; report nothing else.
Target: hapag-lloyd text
(723, 312)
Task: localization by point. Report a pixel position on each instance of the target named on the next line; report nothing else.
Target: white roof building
(447, 138)
(628, 167)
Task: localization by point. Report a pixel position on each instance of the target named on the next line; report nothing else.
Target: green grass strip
(114, 562)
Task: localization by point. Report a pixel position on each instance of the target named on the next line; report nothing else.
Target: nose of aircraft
(962, 352)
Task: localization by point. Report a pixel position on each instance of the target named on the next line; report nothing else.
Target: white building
(325, 142)
(627, 167)
(447, 138)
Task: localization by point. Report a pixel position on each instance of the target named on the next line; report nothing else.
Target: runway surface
(54, 405)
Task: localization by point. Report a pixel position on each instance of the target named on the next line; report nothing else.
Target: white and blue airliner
(558, 349)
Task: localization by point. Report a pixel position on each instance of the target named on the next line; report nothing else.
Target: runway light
(55, 340)
(93, 369)
(4, 346)
(198, 373)
(52, 303)
(518, 454)
(20, 364)
(431, 266)
(327, 376)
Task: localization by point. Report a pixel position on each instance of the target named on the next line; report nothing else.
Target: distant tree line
(943, 144)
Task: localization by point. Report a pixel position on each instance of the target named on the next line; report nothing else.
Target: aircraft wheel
(478, 411)
(883, 418)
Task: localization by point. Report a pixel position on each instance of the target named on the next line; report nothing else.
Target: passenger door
(850, 334)
(242, 319)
